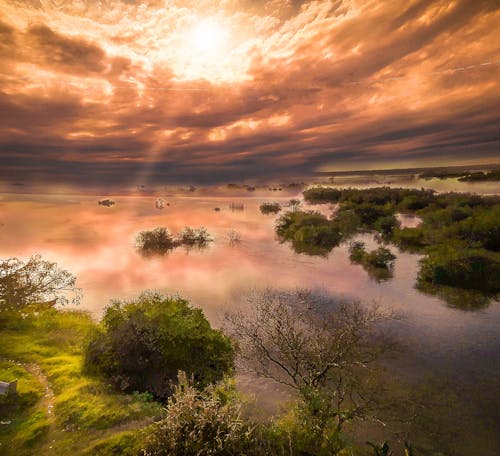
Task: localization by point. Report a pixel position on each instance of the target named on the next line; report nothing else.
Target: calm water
(97, 244)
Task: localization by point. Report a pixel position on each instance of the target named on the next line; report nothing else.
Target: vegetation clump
(475, 269)
(379, 263)
(142, 344)
(270, 208)
(310, 232)
(160, 240)
(198, 237)
(157, 240)
(470, 223)
(203, 422)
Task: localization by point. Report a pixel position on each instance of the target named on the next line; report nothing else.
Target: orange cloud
(212, 89)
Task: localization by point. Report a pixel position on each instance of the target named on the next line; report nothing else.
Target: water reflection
(97, 244)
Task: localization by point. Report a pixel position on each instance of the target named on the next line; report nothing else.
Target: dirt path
(48, 397)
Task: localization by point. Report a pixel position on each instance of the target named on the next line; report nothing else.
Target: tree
(35, 281)
(322, 348)
(143, 343)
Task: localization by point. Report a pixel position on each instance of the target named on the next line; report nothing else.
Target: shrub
(387, 224)
(463, 268)
(322, 195)
(204, 422)
(309, 232)
(380, 258)
(410, 238)
(270, 208)
(142, 344)
(156, 240)
(357, 251)
(194, 237)
(369, 213)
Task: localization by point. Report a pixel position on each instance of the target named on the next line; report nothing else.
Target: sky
(113, 92)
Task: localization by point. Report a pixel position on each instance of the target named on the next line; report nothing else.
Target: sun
(207, 48)
(207, 36)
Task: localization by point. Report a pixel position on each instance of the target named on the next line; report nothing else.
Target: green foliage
(84, 407)
(309, 232)
(318, 195)
(386, 224)
(471, 223)
(25, 422)
(369, 213)
(412, 239)
(128, 443)
(142, 344)
(379, 263)
(463, 268)
(270, 208)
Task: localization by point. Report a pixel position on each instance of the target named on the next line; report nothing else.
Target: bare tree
(35, 281)
(323, 348)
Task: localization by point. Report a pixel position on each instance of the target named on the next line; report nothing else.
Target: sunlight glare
(207, 37)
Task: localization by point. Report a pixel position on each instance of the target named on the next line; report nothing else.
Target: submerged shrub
(463, 268)
(270, 208)
(142, 344)
(322, 195)
(194, 237)
(309, 232)
(156, 240)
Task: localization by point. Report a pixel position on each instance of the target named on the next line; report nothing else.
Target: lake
(97, 244)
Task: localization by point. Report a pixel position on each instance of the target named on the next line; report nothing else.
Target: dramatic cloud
(163, 90)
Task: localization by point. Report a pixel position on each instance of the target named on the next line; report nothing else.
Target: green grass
(86, 410)
(25, 421)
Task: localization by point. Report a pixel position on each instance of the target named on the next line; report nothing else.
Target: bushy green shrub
(369, 213)
(410, 238)
(463, 268)
(379, 263)
(380, 258)
(309, 232)
(270, 208)
(386, 225)
(322, 195)
(141, 345)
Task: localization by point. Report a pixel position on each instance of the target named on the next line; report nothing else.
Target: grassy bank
(58, 409)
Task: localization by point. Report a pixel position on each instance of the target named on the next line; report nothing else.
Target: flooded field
(97, 244)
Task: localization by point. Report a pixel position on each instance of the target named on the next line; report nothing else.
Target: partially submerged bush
(463, 268)
(156, 240)
(309, 232)
(322, 195)
(142, 344)
(270, 208)
(159, 240)
(379, 263)
(194, 237)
